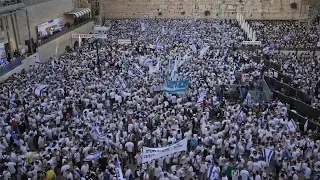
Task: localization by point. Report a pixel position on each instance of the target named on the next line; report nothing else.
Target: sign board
(258, 43)
(101, 28)
(87, 36)
(50, 27)
(124, 41)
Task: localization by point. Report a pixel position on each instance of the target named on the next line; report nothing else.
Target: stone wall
(252, 9)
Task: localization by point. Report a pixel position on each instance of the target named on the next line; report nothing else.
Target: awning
(78, 12)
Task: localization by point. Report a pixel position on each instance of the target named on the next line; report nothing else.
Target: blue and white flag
(153, 69)
(11, 97)
(123, 83)
(175, 87)
(291, 125)
(241, 116)
(138, 69)
(267, 154)
(93, 156)
(15, 137)
(305, 127)
(118, 170)
(248, 100)
(213, 173)
(37, 61)
(201, 97)
(194, 49)
(204, 51)
(78, 172)
(97, 134)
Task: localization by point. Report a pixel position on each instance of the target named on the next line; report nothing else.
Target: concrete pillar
(8, 33)
(28, 24)
(14, 31)
(17, 27)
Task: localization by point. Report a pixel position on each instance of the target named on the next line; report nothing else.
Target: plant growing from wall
(240, 1)
(159, 13)
(183, 13)
(207, 13)
(294, 5)
(84, 4)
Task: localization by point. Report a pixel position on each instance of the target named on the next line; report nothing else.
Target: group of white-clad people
(72, 118)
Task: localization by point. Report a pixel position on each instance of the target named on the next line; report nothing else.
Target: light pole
(96, 41)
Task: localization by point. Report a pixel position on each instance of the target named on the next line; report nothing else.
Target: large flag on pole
(267, 154)
(15, 137)
(37, 61)
(305, 127)
(125, 62)
(119, 170)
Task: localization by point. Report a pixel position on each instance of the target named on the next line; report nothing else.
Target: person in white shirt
(244, 174)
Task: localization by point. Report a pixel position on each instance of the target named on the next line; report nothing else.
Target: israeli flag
(37, 61)
(248, 100)
(204, 51)
(291, 125)
(97, 135)
(15, 137)
(153, 69)
(305, 127)
(143, 26)
(93, 156)
(241, 116)
(123, 84)
(130, 73)
(163, 30)
(11, 97)
(119, 170)
(40, 89)
(194, 49)
(138, 69)
(78, 172)
(213, 173)
(201, 97)
(267, 154)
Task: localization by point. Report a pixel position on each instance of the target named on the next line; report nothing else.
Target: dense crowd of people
(286, 34)
(76, 116)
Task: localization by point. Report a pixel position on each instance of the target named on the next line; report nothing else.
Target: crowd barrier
(10, 66)
(305, 111)
(25, 64)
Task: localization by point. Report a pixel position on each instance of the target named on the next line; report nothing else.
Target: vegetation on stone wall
(294, 5)
(159, 13)
(183, 13)
(207, 13)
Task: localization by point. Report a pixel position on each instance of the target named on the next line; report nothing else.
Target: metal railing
(9, 2)
(64, 31)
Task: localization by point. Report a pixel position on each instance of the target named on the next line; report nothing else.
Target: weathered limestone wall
(252, 9)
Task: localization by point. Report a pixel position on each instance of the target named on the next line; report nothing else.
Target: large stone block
(259, 9)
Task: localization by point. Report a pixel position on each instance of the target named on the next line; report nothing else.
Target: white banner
(124, 41)
(101, 36)
(101, 28)
(149, 154)
(252, 43)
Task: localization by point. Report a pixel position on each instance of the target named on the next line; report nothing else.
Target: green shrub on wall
(183, 13)
(207, 13)
(294, 5)
(160, 13)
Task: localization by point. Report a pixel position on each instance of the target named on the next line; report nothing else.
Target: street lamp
(96, 41)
